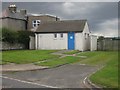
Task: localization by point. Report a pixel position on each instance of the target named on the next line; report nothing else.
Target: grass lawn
(60, 61)
(71, 52)
(97, 58)
(27, 56)
(107, 76)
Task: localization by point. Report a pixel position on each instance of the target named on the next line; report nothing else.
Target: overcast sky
(102, 16)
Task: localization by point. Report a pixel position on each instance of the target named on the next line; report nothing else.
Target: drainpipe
(36, 41)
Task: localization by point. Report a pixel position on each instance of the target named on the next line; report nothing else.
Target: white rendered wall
(79, 41)
(93, 44)
(32, 42)
(86, 38)
(47, 41)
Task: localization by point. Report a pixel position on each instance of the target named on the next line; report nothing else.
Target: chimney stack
(12, 8)
(57, 19)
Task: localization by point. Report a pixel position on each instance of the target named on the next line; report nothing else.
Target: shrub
(0, 34)
(12, 37)
(9, 36)
(23, 37)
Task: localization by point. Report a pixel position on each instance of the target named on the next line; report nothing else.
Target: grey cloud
(95, 12)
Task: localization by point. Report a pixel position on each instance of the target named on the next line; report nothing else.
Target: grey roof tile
(62, 26)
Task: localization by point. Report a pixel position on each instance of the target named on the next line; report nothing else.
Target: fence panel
(108, 44)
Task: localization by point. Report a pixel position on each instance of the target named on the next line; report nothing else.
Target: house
(50, 31)
(13, 19)
(35, 20)
(21, 20)
(67, 34)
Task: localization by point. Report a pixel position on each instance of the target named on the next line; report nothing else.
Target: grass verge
(107, 76)
(27, 56)
(60, 61)
(96, 58)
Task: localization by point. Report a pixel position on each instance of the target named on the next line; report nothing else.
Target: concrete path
(61, 53)
(21, 67)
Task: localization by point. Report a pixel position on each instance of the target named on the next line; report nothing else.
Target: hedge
(12, 36)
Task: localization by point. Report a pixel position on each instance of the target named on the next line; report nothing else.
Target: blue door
(71, 41)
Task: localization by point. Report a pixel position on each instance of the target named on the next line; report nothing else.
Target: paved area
(10, 83)
(67, 76)
(20, 67)
(62, 53)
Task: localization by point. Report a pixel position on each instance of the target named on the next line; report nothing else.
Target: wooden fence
(108, 44)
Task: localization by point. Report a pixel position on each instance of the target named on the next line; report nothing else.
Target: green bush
(0, 34)
(8, 35)
(12, 36)
(23, 37)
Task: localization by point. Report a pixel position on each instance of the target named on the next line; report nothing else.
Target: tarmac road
(66, 76)
(11, 83)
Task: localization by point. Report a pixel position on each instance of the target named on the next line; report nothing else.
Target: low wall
(8, 46)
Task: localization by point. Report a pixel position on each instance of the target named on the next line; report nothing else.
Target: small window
(61, 35)
(38, 21)
(88, 35)
(34, 25)
(55, 35)
(34, 21)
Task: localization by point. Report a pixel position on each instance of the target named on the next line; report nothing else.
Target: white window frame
(61, 35)
(85, 35)
(55, 35)
(36, 23)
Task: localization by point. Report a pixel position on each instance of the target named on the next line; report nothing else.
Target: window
(61, 35)
(36, 23)
(88, 35)
(55, 35)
